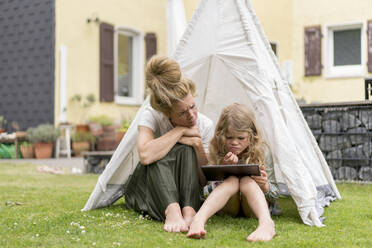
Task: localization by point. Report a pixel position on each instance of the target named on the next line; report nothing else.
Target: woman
(172, 145)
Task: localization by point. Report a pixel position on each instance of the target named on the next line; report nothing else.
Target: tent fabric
(176, 23)
(226, 53)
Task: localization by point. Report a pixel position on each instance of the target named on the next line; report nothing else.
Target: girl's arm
(150, 149)
(267, 180)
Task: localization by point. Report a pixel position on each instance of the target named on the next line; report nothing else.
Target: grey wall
(27, 61)
(344, 134)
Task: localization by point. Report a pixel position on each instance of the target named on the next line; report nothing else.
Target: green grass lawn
(50, 216)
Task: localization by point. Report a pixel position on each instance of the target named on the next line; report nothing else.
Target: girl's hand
(192, 132)
(230, 158)
(262, 180)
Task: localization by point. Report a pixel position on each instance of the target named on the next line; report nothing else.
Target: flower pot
(27, 151)
(79, 147)
(82, 128)
(43, 150)
(106, 143)
(118, 137)
(95, 129)
(2, 130)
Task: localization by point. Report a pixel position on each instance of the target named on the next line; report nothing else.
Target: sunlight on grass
(43, 210)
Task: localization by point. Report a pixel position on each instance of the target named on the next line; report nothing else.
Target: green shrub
(124, 125)
(44, 133)
(26, 144)
(104, 120)
(82, 137)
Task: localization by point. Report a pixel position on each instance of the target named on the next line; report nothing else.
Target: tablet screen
(220, 172)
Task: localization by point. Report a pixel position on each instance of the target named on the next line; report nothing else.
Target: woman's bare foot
(174, 221)
(197, 230)
(188, 214)
(264, 232)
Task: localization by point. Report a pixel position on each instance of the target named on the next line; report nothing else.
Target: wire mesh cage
(344, 134)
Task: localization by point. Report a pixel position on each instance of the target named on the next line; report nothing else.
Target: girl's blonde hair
(237, 118)
(165, 83)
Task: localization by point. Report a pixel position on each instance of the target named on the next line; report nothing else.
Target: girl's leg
(215, 201)
(257, 203)
(232, 206)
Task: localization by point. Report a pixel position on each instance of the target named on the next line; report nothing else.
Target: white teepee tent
(225, 52)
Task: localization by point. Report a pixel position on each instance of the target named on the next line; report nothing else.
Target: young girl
(237, 140)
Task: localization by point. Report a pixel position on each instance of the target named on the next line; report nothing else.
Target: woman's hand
(190, 141)
(230, 158)
(262, 180)
(192, 132)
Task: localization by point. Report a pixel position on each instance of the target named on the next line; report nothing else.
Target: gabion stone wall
(344, 134)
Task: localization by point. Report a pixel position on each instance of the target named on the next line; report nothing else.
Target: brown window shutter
(106, 62)
(151, 45)
(369, 32)
(313, 51)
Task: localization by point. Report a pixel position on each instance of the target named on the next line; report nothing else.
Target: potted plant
(82, 141)
(124, 125)
(105, 121)
(3, 123)
(84, 104)
(106, 139)
(43, 137)
(27, 149)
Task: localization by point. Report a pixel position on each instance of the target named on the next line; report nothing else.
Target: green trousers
(174, 178)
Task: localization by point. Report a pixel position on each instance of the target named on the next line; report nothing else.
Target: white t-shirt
(160, 124)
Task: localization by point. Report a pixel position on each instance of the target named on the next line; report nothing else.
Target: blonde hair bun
(165, 83)
(162, 70)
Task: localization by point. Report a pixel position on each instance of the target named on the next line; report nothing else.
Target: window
(344, 46)
(129, 71)
(274, 47)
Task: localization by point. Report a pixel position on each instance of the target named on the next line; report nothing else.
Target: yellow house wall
(318, 12)
(276, 18)
(82, 42)
(283, 22)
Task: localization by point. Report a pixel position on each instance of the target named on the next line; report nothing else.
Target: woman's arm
(150, 149)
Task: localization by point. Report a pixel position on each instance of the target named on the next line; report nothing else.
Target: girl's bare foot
(188, 215)
(197, 230)
(174, 221)
(264, 232)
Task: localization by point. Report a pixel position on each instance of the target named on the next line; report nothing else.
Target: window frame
(137, 65)
(344, 71)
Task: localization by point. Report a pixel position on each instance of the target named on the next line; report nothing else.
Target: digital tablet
(220, 172)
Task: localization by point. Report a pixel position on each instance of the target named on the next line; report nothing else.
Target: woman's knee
(181, 148)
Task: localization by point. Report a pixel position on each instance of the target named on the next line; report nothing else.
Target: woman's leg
(257, 203)
(187, 180)
(215, 201)
(162, 196)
